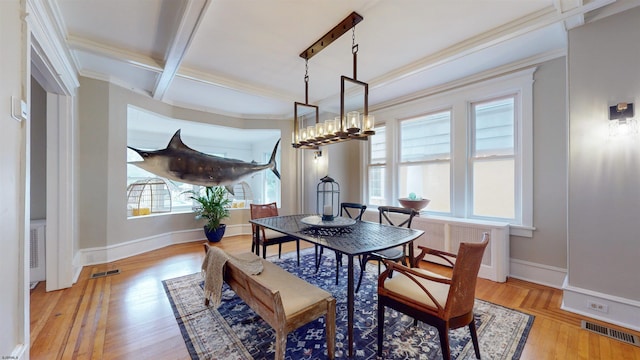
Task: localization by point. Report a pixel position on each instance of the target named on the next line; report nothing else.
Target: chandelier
(308, 131)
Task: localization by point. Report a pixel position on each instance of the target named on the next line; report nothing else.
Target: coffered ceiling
(241, 57)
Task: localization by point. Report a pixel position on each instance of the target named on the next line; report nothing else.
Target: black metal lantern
(328, 198)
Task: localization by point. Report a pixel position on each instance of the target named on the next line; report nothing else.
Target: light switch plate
(16, 108)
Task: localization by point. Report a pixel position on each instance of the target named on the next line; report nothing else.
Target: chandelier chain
(354, 46)
(306, 70)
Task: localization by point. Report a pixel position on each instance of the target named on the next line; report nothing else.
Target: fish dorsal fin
(176, 142)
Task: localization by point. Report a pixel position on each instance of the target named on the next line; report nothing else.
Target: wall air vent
(612, 333)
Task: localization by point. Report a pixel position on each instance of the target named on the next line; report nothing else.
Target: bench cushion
(296, 294)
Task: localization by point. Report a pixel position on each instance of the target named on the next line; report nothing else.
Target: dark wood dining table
(352, 240)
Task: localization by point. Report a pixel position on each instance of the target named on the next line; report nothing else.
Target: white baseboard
(19, 353)
(537, 273)
(619, 311)
(101, 255)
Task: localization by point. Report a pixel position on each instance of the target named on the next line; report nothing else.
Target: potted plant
(213, 207)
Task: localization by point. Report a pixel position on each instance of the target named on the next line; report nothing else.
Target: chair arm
(414, 276)
(437, 253)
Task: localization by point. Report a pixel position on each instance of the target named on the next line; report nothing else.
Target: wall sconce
(317, 154)
(621, 120)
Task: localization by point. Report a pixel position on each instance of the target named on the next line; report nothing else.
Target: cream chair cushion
(401, 284)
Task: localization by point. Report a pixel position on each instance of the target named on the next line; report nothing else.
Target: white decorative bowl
(416, 205)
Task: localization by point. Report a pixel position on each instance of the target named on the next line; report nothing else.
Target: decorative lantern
(328, 198)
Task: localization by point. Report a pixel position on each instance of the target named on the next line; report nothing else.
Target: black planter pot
(215, 235)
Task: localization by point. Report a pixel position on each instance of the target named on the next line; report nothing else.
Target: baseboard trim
(620, 311)
(19, 353)
(537, 273)
(101, 255)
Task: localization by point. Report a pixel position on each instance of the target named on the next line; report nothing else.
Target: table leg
(350, 304)
(411, 257)
(256, 238)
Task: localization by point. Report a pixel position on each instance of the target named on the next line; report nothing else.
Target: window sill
(521, 230)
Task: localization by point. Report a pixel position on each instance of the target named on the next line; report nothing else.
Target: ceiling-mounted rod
(333, 34)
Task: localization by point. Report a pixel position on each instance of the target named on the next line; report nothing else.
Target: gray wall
(342, 162)
(604, 246)
(103, 133)
(548, 246)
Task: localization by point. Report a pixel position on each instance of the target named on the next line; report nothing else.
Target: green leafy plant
(213, 205)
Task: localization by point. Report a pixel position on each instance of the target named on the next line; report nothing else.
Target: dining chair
(397, 254)
(259, 211)
(446, 303)
(353, 211)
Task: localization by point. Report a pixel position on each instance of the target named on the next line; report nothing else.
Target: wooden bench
(283, 300)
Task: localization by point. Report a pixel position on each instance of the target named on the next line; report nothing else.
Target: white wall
(38, 117)
(604, 195)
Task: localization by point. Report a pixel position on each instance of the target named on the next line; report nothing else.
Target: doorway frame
(51, 67)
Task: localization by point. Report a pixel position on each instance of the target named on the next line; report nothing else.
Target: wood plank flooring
(128, 316)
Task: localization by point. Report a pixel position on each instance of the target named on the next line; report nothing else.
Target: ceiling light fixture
(353, 126)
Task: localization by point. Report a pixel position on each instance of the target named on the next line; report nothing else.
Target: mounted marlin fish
(181, 163)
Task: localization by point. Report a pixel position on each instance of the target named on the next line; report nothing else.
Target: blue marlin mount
(181, 163)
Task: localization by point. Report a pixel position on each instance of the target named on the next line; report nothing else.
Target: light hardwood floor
(128, 316)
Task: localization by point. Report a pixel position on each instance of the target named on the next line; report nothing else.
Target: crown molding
(528, 63)
(141, 61)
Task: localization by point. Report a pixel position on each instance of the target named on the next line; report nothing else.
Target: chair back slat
(384, 215)
(357, 210)
(465, 275)
(259, 211)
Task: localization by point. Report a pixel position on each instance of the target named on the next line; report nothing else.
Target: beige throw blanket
(213, 271)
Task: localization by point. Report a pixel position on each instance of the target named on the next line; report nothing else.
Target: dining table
(347, 236)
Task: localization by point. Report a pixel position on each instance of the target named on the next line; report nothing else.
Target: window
(377, 167)
(425, 153)
(492, 160)
(469, 150)
(271, 184)
(150, 131)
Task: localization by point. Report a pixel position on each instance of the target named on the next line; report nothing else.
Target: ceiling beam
(191, 18)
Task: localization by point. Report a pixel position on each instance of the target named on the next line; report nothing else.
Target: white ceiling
(241, 57)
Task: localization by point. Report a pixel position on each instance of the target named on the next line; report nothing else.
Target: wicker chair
(446, 303)
(259, 211)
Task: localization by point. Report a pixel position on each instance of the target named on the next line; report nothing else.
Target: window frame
(439, 158)
(473, 158)
(459, 98)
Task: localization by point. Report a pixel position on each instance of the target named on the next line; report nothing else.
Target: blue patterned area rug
(234, 331)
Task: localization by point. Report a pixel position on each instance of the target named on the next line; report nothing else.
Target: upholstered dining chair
(353, 211)
(397, 254)
(446, 303)
(259, 211)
